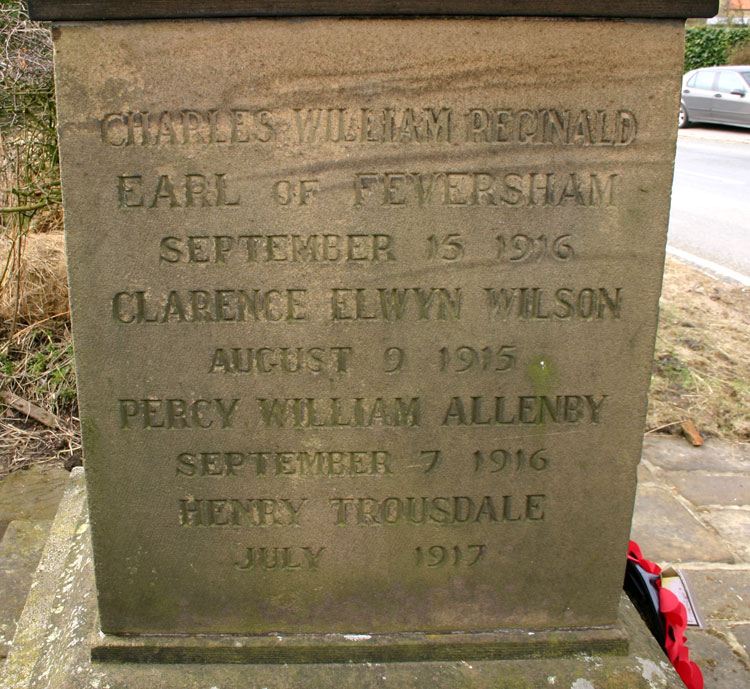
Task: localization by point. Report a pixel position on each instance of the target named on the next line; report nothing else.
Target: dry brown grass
(36, 352)
(24, 443)
(36, 286)
(37, 365)
(702, 358)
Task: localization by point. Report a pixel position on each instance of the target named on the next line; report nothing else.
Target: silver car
(716, 94)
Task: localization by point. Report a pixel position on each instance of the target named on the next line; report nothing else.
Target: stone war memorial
(364, 300)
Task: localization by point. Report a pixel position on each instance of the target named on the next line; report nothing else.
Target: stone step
(32, 493)
(28, 502)
(20, 551)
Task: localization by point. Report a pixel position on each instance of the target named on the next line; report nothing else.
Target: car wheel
(683, 120)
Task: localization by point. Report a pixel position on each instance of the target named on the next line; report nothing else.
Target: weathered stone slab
(644, 474)
(667, 532)
(742, 633)
(676, 454)
(364, 315)
(51, 649)
(720, 667)
(703, 488)
(32, 493)
(52, 581)
(721, 594)
(734, 526)
(20, 550)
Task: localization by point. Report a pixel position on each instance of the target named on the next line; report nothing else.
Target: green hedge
(706, 46)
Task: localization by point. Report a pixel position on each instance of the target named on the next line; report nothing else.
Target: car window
(746, 76)
(730, 81)
(703, 80)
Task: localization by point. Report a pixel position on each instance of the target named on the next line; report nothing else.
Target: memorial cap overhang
(93, 10)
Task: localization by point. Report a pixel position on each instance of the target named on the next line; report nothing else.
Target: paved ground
(692, 511)
(711, 188)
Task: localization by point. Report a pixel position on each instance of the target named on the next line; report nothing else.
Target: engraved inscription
(486, 188)
(366, 125)
(488, 125)
(449, 247)
(446, 556)
(394, 359)
(277, 248)
(551, 127)
(521, 247)
(281, 360)
(496, 461)
(218, 512)
(165, 191)
(170, 414)
(280, 558)
(524, 410)
(301, 192)
(182, 127)
(431, 124)
(566, 303)
(434, 459)
(391, 304)
(465, 358)
(445, 511)
(338, 412)
(301, 463)
(396, 303)
(214, 305)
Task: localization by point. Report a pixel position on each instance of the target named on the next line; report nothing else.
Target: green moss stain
(542, 372)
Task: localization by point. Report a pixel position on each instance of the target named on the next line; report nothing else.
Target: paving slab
(704, 488)
(645, 475)
(32, 493)
(667, 532)
(734, 526)
(721, 594)
(721, 668)
(676, 454)
(20, 551)
(742, 634)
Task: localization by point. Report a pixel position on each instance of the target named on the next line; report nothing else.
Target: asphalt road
(710, 216)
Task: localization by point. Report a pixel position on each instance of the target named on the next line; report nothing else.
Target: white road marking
(710, 265)
(739, 135)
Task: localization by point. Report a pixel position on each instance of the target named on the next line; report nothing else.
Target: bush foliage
(28, 142)
(707, 46)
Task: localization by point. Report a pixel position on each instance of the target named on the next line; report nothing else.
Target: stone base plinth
(359, 648)
(57, 637)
